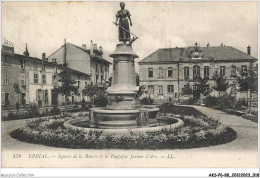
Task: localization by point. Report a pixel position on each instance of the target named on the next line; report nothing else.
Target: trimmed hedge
(251, 117)
(181, 110)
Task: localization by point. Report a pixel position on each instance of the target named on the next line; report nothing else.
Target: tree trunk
(247, 101)
(250, 101)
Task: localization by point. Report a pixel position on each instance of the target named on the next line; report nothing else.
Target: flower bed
(196, 132)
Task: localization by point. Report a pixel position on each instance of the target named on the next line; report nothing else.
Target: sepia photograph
(133, 84)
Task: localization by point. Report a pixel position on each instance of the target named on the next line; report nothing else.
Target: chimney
(43, 56)
(208, 45)
(26, 52)
(249, 50)
(8, 46)
(84, 46)
(95, 47)
(100, 49)
(91, 48)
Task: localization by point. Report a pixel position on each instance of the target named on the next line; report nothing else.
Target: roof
(66, 69)
(164, 55)
(208, 53)
(93, 57)
(86, 51)
(23, 57)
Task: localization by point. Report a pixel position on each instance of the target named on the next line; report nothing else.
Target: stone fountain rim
(129, 111)
(68, 124)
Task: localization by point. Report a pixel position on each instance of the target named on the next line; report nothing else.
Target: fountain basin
(118, 119)
(76, 124)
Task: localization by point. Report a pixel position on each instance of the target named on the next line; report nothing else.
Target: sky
(45, 25)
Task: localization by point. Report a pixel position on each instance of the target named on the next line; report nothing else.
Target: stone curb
(69, 123)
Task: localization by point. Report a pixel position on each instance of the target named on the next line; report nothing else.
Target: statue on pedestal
(123, 31)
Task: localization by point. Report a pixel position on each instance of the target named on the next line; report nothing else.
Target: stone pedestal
(123, 109)
(122, 93)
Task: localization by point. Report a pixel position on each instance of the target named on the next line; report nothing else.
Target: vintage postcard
(129, 85)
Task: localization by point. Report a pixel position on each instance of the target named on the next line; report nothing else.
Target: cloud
(44, 25)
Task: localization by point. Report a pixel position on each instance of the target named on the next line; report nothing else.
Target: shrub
(210, 101)
(55, 110)
(33, 110)
(192, 100)
(101, 101)
(238, 105)
(226, 101)
(84, 105)
(147, 100)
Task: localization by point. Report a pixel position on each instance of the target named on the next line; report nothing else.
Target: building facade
(28, 80)
(166, 71)
(88, 61)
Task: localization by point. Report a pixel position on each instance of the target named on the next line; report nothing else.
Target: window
(22, 64)
(160, 73)
(222, 70)
(196, 71)
(35, 78)
(244, 69)
(22, 79)
(101, 78)
(78, 84)
(160, 87)
(195, 87)
(2, 98)
(170, 71)
(207, 87)
(150, 89)
(45, 96)
(233, 71)
(101, 68)
(170, 88)
(5, 98)
(96, 78)
(86, 84)
(186, 73)
(38, 94)
(150, 72)
(206, 71)
(233, 88)
(43, 79)
(54, 79)
(96, 68)
(6, 81)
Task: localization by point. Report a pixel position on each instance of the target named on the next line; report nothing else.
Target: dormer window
(222, 70)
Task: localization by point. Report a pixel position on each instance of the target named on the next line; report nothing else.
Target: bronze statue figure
(124, 30)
